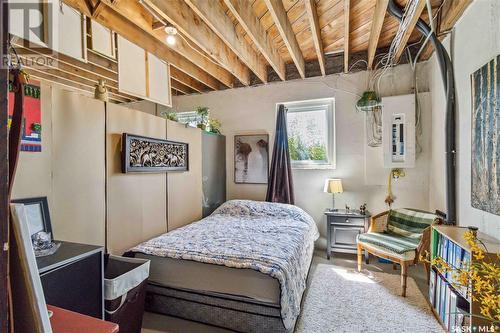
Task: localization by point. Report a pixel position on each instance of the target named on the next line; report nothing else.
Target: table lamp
(333, 185)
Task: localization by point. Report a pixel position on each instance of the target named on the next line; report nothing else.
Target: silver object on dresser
(342, 229)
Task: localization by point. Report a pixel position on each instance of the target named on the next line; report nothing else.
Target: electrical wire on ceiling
(163, 21)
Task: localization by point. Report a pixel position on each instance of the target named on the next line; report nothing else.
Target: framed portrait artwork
(251, 159)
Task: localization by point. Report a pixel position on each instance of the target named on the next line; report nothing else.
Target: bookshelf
(451, 305)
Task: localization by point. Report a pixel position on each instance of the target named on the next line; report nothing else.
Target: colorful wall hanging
(31, 138)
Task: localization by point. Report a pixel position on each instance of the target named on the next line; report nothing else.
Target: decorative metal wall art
(143, 154)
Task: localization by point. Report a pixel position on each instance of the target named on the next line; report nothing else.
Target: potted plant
(214, 125)
(203, 112)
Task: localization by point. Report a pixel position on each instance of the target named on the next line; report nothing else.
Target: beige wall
(476, 41)
(70, 168)
(78, 169)
(253, 110)
(185, 193)
(78, 140)
(136, 201)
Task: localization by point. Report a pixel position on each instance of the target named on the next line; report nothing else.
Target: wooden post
(404, 275)
(4, 171)
(360, 257)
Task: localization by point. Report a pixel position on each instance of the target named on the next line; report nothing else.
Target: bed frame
(236, 313)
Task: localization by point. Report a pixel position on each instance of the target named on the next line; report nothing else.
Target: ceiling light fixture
(171, 32)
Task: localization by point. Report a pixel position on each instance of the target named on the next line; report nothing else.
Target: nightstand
(342, 229)
(73, 278)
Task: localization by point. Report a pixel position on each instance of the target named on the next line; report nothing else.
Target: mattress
(212, 278)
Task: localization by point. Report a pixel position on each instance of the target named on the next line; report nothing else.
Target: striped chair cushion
(408, 222)
(392, 242)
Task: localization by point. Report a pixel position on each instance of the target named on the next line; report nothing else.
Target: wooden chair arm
(378, 223)
(424, 243)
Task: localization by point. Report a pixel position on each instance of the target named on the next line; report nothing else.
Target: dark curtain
(280, 184)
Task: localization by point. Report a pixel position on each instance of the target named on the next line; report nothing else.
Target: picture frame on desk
(37, 215)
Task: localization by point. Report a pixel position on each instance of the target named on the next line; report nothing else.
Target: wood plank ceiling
(228, 43)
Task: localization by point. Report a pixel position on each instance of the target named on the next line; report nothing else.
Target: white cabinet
(131, 68)
(159, 80)
(103, 40)
(142, 74)
(71, 32)
(51, 23)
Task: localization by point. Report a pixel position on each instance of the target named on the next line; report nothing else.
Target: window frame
(322, 104)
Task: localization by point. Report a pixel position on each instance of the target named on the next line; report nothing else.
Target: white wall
(253, 110)
(476, 40)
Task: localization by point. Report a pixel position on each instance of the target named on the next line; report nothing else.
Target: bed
(244, 267)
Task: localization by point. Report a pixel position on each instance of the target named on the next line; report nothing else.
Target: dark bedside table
(73, 278)
(343, 228)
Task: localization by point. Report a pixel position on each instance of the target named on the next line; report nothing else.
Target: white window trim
(320, 104)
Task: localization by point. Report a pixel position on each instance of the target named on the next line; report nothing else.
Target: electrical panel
(398, 131)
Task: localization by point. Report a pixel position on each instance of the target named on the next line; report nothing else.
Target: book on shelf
(432, 287)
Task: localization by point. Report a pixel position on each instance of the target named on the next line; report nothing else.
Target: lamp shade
(333, 186)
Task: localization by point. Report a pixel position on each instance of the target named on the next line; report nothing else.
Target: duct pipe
(449, 86)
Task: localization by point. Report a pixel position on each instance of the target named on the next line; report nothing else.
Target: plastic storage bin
(125, 291)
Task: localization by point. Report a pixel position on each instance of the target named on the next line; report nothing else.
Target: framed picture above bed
(251, 159)
(143, 154)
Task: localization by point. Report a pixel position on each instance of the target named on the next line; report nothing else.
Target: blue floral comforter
(275, 239)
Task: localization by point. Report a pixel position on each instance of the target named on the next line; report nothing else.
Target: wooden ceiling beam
(252, 26)
(411, 26)
(377, 23)
(113, 20)
(187, 80)
(215, 17)
(96, 10)
(347, 9)
(452, 11)
(137, 14)
(280, 18)
(178, 13)
(316, 33)
(158, 25)
(179, 86)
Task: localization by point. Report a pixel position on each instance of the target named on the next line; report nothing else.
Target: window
(311, 126)
(192, 118)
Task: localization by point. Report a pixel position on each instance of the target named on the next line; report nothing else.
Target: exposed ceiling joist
(187, 80)
(377, 23)
(111, 19)
(215, 17)
(316, 33)
(411, 26)
(452, 11)
(185, 20)
(252, 26)
(177, 85)
(280, 18)
(135, 12)
(347, 9)
(158, 25)
(96, 10)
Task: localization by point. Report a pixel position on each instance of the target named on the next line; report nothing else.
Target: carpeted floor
(340, 300)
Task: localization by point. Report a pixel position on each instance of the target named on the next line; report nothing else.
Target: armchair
(400, 236)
